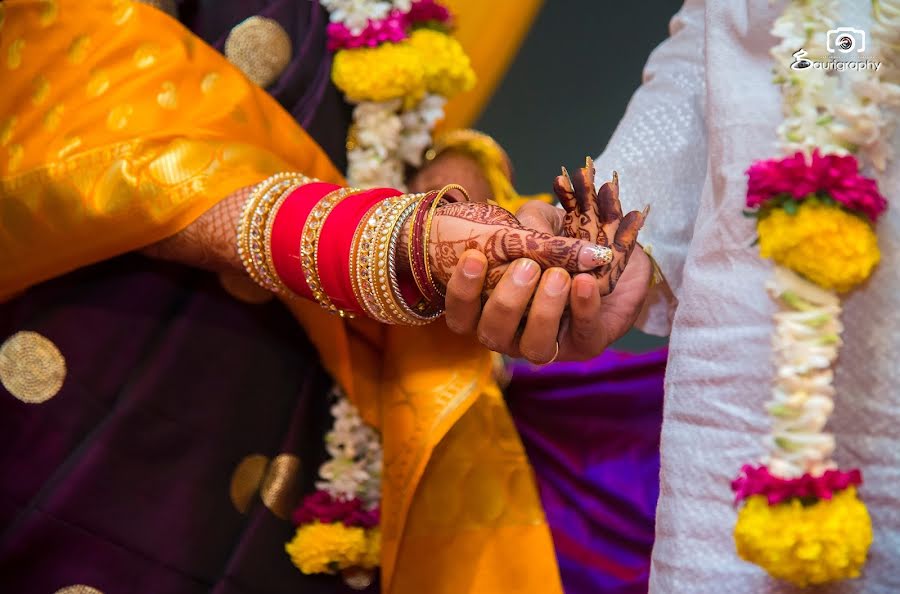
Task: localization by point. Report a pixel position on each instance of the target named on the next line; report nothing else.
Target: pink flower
(323, 507)
(758, 481)
(391, 29)
(836, 176)
(424, 11)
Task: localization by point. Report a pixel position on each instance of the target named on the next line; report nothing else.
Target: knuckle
(489, 342)
(504, 304)
(457, 326)
(536, 355)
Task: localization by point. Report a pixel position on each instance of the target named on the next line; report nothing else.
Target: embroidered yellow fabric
(118, 127)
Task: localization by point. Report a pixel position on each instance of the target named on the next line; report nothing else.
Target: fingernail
(584, 287)
(593, 256)
(473, 267)
(524, 271)
(556, 283)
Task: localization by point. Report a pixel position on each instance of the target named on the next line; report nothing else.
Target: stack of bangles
(300, 237)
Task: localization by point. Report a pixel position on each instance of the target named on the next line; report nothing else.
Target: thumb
(549, 251)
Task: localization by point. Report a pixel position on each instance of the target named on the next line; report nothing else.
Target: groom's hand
(584, 331)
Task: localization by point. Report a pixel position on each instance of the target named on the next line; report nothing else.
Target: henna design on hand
(596, 215)
(499, 236)
(208, 242)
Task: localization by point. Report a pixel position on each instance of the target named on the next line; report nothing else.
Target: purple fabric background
(591, 431)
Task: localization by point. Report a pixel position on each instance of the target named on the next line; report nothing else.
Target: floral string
(397, 62)
(800, 517)
(337, 525)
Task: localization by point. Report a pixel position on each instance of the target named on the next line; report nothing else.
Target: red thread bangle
(286, 231)
(335, 244)
(417, 255)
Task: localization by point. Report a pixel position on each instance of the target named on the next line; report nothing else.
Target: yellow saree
(118, 127)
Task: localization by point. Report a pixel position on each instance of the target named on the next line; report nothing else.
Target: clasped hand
(543, 279)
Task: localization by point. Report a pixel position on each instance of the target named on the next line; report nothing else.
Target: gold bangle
(254, 224)
(359, 272)
(267, 238)
(309, 247)
(426, 236)
(379, 261)
(411, 315)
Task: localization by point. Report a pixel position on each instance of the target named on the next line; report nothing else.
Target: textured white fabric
(708, 109)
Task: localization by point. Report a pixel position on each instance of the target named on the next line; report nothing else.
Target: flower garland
(800, 517)
(396, 61)
(337, 525)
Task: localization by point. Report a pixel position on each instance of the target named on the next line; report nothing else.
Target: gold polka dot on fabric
(78, 589)
(123, 10)
(14, 54)
(167, 98)
(31, 367)
(98, 83)
(246, 479)
(70, 145)
(209, 82)
(146, 55)
(78, 49)
(119, 116)
(41, 89)
(243, 289)
(280, 490)
(48, 13)
(260, 48)
(6, 130)
(53, 118)
(16, 154)
(358, 578)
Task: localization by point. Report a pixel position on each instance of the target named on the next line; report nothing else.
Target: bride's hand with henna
(562, 312)
(481, 250)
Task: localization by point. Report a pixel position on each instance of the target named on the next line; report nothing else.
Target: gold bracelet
(254, 229)
(426, 236)
(379, 261)
(309, 247)
(359, 261)
(267, 237)
(411, 315)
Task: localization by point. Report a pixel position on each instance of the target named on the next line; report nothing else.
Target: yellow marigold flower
(826, 244)
(389, 71)
(325, 548)
(448, 70)
(824, 542)
(372, 558)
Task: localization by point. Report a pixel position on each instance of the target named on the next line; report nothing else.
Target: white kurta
(706, 111)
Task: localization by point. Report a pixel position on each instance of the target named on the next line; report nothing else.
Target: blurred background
(568, 87)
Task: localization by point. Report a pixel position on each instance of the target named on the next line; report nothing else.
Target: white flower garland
(354, 470)
(820, 113)
(386, 138)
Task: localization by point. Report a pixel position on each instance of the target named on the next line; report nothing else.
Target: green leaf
(790, 206)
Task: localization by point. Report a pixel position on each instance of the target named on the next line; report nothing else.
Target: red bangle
(417, 256)
(286, 229)
(335, 244)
